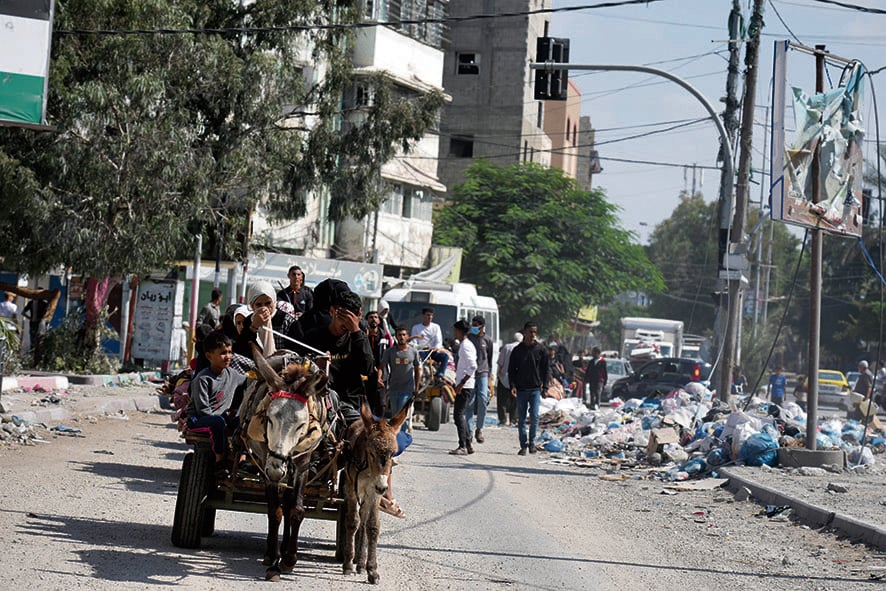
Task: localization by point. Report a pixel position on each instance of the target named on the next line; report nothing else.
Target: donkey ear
(400, 418)
(366, 415)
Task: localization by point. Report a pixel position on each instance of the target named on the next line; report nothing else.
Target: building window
(467, 64)
(394, 204)
(568, 128)
(363, 95)
(541, 115)
(461, 147)
(525, 150)
(574, 135)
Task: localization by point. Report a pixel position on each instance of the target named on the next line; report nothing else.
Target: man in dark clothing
(350, 355)
(378, 344)
(297, 293)
(595, 378)
(528, 372)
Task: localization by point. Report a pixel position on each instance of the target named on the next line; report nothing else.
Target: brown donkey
(371, 445)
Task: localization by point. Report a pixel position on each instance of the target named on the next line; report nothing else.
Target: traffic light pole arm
(724, 137)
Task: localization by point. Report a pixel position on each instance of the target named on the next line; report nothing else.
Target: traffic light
(551, 85)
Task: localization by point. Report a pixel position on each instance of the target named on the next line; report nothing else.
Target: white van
(450, 301)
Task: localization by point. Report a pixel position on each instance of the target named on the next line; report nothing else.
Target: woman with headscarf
(232, 325)
(266, 319)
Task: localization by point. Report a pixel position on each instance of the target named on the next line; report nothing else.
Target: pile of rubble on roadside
(688, 433)
(16, 431)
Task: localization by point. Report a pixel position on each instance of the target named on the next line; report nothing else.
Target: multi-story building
(399, 234)
(486, 71)
(561, 123)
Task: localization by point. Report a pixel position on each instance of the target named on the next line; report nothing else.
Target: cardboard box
(659, 438)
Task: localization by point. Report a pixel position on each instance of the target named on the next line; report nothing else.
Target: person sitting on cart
(350, 355)
(429, 336)
(269, 325)
(215, 393)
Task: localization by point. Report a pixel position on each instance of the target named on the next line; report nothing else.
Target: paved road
(94, 513)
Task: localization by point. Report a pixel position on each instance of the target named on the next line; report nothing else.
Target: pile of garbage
(688, 433)
(14, 430)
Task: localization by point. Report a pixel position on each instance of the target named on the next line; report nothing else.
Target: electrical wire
(781, 322)
(360, 25)
(852, 6)
(784, 24)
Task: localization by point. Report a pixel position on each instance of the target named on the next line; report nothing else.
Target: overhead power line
(360, 25)
(852, 6)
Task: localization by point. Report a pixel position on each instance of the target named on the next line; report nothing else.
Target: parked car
(662, 375)
(833, 388)
(852, 378)
(616, 369)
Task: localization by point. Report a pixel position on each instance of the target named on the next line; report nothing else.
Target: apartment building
(486, 71)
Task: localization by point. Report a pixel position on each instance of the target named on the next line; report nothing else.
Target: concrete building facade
(399, 234)
(486, 71)
(561, 123)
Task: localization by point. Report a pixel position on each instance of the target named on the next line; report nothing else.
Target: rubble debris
(688, 434)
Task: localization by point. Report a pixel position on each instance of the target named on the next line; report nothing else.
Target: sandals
(391, 507)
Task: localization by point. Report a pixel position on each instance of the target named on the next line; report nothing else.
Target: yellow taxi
(833, 388)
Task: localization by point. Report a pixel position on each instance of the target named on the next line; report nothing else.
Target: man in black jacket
(351, 362)
(528, 372)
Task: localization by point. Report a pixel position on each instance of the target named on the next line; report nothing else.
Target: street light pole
(727, 183)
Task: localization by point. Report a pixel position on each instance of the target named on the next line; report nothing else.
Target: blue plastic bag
(759, 449)
(554, 445)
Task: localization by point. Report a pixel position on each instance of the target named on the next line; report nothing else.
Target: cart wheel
(435, 413)
(193, 485)
(447, 412)
(207, 524)
(340, 522)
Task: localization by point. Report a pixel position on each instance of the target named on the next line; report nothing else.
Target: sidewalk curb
(812, 515)
(58, 381)
(103, 407)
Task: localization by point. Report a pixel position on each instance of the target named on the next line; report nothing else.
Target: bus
(450, 301)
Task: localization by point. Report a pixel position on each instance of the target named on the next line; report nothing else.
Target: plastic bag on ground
(759, 449)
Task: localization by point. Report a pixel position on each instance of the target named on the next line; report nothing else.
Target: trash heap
(16, 431)
(688, 433)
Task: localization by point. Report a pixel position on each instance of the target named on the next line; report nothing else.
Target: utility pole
(732, 346)
(730, 122)
(815, 277)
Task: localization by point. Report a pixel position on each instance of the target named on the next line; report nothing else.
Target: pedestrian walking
(401, 372)
(297, 294)
(528, 372)
(777, 384)
(595, 378)
(211, 312)
(464, 389)
(477, 406)
(506, 403)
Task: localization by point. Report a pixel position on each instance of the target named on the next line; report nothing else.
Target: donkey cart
(201, 495)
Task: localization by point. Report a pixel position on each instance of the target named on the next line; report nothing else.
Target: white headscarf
(265, 337)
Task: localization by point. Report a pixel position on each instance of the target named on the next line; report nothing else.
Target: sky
(688, 38)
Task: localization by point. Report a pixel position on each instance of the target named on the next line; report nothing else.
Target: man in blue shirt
(777, 383)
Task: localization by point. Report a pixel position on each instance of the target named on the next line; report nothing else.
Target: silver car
(615, 370)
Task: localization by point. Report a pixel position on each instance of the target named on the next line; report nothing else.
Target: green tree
(538, 243)
(159, 135)
(684, 249)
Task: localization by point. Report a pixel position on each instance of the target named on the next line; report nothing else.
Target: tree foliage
(537, 242)
(159, 135)
(684, 248)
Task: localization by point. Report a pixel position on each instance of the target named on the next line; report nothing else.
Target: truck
(643, 339)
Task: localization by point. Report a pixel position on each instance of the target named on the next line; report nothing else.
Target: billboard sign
(827, 124)
(26, 33)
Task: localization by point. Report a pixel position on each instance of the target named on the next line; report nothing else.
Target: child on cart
(215, 394)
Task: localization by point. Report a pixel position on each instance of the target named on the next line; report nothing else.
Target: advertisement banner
(26, 36)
